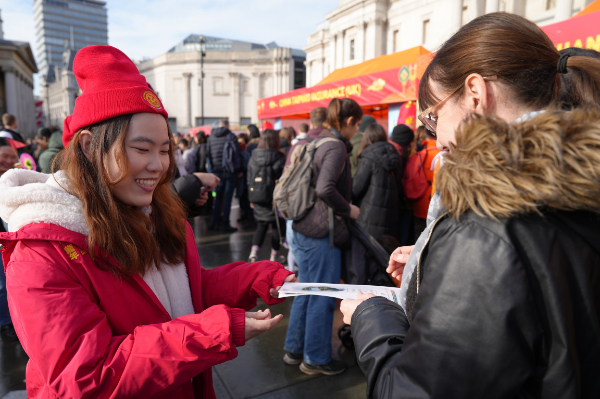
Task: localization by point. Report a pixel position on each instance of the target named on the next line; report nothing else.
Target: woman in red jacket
(104, 280)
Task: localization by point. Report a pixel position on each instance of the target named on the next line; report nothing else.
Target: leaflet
(342, 291)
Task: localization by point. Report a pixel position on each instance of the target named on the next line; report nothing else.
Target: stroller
(364, 263)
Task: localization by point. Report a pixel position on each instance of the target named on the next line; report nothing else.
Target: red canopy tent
(583, 30)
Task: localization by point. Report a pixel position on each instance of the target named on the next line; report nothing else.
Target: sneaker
(252, 258)
(334, 367)
(229, 229)
(8, 333)
(292, 358)
(279, 259)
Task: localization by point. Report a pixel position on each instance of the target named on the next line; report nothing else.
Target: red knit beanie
(111, 86)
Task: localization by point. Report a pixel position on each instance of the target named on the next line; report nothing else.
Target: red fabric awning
(389, 82)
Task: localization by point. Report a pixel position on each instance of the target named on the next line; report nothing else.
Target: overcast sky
(148, 28)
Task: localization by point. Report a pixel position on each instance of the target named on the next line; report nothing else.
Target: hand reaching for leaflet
(398, 261)
(348, 306)
(289, 279)
(259, 322)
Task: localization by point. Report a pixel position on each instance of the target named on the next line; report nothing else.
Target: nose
(155, 164)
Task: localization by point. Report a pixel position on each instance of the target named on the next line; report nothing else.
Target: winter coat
(269, 158)
(90, 334)
(216, 144)
(55, 145)
(333, 189)
(377, 189)
(421, 205)
(506, 296)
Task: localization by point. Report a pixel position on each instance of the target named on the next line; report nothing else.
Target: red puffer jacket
(90, 334)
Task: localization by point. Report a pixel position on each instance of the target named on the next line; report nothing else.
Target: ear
(350, 121)
(476, 94)
(85, 142)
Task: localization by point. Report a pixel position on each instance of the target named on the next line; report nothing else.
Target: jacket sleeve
(278, 167)
(70, 341)
(334, 161)
(187, 188)
(240, 284)
(474, 329)
(361, 180)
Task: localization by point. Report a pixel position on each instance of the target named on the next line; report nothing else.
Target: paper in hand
(342, 291)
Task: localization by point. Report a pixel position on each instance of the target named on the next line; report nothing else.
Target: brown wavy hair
(135, 240)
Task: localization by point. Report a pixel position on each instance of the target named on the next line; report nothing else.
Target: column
(362, 26)
(256, 95)
(187, 77)
(333, 52)
(564, 9)
(454, 17)
(379, 34)
(10, 83)
(234, 113)
(492, 6)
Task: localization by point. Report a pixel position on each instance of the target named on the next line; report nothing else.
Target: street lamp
(201, 80)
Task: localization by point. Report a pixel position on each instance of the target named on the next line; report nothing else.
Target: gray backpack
(294, 194)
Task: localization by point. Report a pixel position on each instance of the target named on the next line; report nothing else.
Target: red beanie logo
(151, 99)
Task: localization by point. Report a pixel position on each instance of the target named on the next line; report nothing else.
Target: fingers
(361, 296)
(274, 292)
(259, 315)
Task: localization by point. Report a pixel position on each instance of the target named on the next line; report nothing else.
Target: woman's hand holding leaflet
(259, 322)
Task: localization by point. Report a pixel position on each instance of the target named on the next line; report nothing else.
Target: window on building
(396, 41)
(425, 30)
(352, 49)
(550, 4)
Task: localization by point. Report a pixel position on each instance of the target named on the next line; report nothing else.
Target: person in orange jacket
(421, 206)
(104, 280)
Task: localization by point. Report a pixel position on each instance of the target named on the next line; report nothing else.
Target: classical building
(359, 30)
(236, 75)
(17, 66)
(81, 23)
(60, 89)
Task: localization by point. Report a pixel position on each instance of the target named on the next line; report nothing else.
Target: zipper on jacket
(423, 250)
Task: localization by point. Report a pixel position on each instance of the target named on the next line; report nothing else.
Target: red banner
(392, 86)
(582, 32)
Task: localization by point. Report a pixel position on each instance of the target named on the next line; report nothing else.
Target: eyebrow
(142, 139)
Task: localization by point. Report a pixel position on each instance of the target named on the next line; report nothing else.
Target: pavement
(258, 371)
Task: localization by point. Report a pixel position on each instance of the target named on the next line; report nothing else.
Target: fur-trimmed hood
(499, 169)
(31, 197)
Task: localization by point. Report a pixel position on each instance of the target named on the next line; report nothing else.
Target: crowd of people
(490, 209)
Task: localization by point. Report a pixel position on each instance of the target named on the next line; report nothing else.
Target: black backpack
(261, 185)
(231, 159)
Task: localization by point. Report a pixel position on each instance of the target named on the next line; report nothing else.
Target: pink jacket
(91, 335)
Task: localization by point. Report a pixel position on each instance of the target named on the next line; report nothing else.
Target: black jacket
(377, 189)
(505, 301)
(284, 145)
(270, 158)
(216, 144)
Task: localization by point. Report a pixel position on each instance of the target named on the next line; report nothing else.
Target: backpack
(231, 160)
(415, 182)
(261, 186)
(294, 194)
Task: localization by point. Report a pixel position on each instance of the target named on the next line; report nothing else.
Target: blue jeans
(224, 196)
(309, 329)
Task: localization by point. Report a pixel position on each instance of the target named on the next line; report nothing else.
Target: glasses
(429, 121)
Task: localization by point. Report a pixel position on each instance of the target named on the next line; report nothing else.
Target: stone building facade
(59, 90)
(237, 74)
(17, 66)
(359, 30)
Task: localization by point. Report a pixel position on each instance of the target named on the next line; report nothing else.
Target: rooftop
(192, 43)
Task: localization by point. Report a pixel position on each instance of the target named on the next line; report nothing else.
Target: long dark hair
(512, 48)
(270, 140)
(340, 110)
(373, 134)
(136, 241)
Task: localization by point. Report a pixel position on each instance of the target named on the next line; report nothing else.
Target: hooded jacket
(275, 161)
(377, 189)
(55, 145)
(506, 295)
(90, 334)
(215, 146)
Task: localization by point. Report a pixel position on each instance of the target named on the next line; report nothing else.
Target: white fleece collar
(31, 197)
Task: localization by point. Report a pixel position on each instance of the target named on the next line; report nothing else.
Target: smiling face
(147, 146)
(8, 158)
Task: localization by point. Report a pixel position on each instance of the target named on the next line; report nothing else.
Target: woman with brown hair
(105, 285)
(504, 297)
(377, 184)
(264, 169)
(286, 135)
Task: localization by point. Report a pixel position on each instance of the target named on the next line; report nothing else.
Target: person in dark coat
(377, 184)
(226, 187)
(286, 135)
(265, 167)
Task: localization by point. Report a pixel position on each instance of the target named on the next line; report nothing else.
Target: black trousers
(261, 232)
